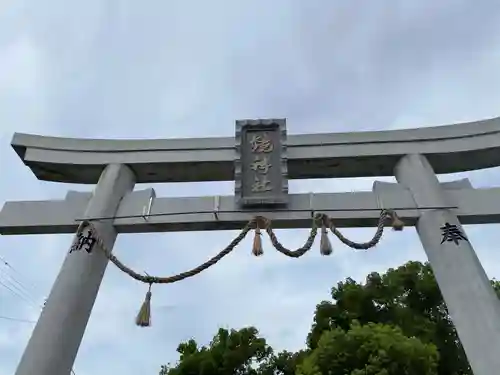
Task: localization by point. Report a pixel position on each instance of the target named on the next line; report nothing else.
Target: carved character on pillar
(452, 233)
(85, 240)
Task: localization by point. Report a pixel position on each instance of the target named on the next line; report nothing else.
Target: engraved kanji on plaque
(261, 165)
(261, 184)
(261, 143)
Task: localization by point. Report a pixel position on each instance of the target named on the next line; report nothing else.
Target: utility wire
(9, 266)
(18, 294)
(17, 320)
(17, 288)
(18, 284)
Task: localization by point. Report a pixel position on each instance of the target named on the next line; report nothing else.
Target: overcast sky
(157, 69)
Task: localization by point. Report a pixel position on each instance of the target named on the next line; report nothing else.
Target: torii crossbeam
(261, 159)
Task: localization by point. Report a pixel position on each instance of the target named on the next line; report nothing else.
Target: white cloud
(191, 68)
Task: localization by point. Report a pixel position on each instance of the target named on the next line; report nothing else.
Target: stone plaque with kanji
(260, 164)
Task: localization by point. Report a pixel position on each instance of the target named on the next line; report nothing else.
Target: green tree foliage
(407, 297)
(394, 323)
(233, 352)
(230, 353)
(372, 349)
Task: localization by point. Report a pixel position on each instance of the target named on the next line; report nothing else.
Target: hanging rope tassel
(397, 223)
(325, 246)
(143, 318)
(257, 243)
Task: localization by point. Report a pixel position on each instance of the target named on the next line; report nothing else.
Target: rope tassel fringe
(257, 243)
(325, 246)
(143, 318)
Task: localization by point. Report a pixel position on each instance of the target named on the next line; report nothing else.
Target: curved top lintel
(450, 148)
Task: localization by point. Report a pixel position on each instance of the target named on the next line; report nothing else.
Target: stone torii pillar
(472, 303)
(58, 333)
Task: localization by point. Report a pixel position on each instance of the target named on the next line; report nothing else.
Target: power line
(17, 320)
(15, 286)
(17, 294)
(8, 265)
(16, 283)
(18, 289)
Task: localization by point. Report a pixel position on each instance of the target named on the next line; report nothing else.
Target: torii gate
(260, 159)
